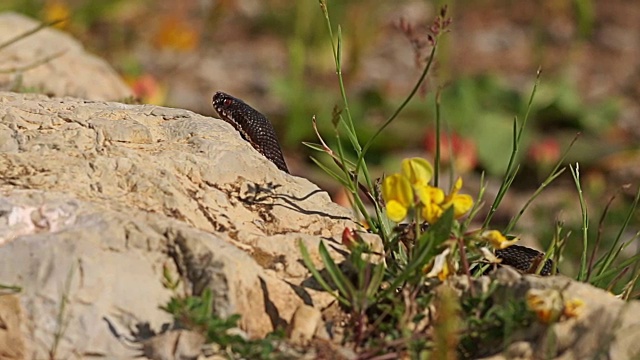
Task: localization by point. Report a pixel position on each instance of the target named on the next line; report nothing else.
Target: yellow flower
(497, 240)
(429, 194)
(398, 196)
(400, 190)
(461, 203)
(435, 202)
(419, 171)
(431, 213)
(430, 197)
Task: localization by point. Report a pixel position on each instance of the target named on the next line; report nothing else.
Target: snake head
(228, 106)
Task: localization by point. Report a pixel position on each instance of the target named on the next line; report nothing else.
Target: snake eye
(227, 102)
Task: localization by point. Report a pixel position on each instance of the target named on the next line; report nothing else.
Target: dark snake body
(258, 131)
(252, 126)
(525, 259)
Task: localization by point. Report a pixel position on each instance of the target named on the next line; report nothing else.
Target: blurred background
(276, 55)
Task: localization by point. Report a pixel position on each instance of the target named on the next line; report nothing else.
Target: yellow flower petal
(437, 195)
(398, 195)
(397, 187)
(461, 205)
(431, 212)
(429, 194)
(430, 197)
(396, 211)
(418, 170)
(497, 240)
(454, 191)
(457, 186)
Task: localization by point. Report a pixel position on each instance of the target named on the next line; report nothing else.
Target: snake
(252, 125)
(257, 130)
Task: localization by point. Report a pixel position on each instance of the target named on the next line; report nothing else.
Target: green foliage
(29, 7)
(196, 313)
(482, 108)
(559, 104)
(356, 290)
(407, 268)
(388, 299)
(489, 326)
(586, 14)
(605, 271)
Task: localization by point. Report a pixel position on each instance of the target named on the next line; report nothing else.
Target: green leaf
(425, 249)
(314, 146)
(306, 259)
(376, 280)
(615, 270)
(441, 230)
(343, 284)
(610, 255)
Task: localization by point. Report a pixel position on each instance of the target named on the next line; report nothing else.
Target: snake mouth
(228, 118)
(221, 111)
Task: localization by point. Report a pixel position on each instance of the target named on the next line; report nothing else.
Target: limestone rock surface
(98, 200)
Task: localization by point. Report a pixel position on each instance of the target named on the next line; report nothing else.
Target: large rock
(98, 198)
(73, 73)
